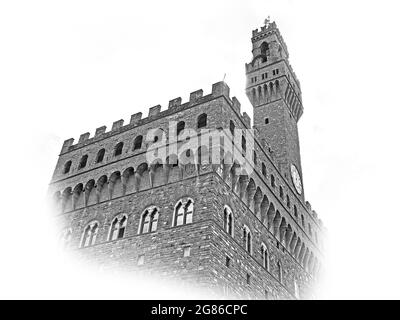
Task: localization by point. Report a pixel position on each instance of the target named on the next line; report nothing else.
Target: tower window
(202, 121)
(100, 155)
(281, 192)
(302, 221)
(228, 220)
(255, 157)
(83, 162)
(266, 120)
(265, 256)
(243, 144)
(67, 166)
(288, 201)
(295, 212)
(118, 149)
(137, 144)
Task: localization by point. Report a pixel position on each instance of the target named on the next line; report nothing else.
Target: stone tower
(275, 94)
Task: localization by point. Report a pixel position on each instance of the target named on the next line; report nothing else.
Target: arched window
(83, 162)
(117, 228)
(183, 212)
(264, 169)
(232, 127)
(202, 121)
(90, 234)
(280, 272)
(228, 220)
(137, 143)
(67, 166)
(295, 211)
(287, 201)
(118, 149)
(100, 155)
(149, 220)
(247, 239)
(265, 256)
(65, 238)
(273, 181)
(281, 192)
(180, 127)
(302, 221)
(243, 144)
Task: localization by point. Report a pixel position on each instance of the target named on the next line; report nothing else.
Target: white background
(68, 67)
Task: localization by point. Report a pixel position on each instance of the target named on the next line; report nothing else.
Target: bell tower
(274, 92)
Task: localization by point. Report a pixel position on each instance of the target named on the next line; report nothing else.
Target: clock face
(296, 179)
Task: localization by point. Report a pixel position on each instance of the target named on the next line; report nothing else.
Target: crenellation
(175, 103)
(220, 89)
(117, 124)
(154, 111)
(247, 120)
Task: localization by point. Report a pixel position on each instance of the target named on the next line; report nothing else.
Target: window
(83, 162)
(302, 221)
(264, 48)
(243, 144)
(149, 220)
(232, 127)
(288, 201)
(117, 229)
(227, 261)
(89, 235)
(295, 212)
(183, 212)
(67, 166)
(137, 143)
(309, 229)
(273, 181)
(202, 121)
(180, 127)
(281, 192)
(118, 149)
(255, 157)
(266, 120)
(265, 256)
(247, 239)
(228, 220)
(100, 155)
(248, 278)
(264, 169)
(186, 251)
(66, 237)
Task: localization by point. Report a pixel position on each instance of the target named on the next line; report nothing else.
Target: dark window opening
(83, 162)
(266, 120)
(264, 170)
(227, 262)
(248, 279)
(202, 121)
(180, 127)
(67, 166)
(232, 127)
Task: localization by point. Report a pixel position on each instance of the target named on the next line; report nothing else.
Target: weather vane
(267, 21)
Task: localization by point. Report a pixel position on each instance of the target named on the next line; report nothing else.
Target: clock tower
(274, 91)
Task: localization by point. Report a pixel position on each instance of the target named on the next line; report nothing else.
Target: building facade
(240, 233)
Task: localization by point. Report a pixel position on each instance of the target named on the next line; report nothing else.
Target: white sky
(69, 67)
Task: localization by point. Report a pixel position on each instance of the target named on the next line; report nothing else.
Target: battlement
(196, 97)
